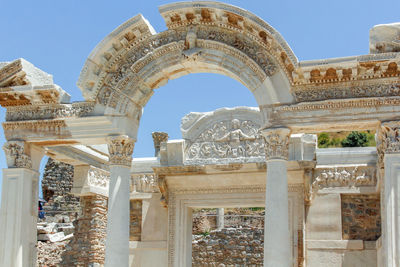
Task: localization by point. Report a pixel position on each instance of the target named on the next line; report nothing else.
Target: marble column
(120, 150)
(19, 207)
(277, 246)
(389, 164)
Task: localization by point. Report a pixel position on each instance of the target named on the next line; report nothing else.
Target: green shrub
(355, 139)
(323, 140)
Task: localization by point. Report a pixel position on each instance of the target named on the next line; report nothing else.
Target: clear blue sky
(57, 37)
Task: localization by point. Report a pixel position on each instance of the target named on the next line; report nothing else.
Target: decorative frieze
(98, 177)
(339, 104)
(27, 129)
(347, 177)
(15, 155)
(120, 149)
(304, 94)
(145, 183)
(276, 143)
(227, 140)
(51, 111)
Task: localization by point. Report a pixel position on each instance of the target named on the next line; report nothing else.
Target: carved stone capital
(389, 137)
(276, 143)
(120, 149)
(16, 155)
(158, 138)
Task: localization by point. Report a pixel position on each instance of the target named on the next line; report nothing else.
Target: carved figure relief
(227, 140)
(98, 177)
(145, 183)
(276, 143)
(343, 177)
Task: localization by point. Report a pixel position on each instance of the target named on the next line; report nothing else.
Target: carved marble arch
(124, 69)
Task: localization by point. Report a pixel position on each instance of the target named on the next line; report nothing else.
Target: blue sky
(57, 37)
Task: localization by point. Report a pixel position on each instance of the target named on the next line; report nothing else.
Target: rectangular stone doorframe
(182, 202)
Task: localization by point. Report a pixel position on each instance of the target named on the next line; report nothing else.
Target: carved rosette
(15, 154)
(276, 143)
(120, 149)
(158, 138)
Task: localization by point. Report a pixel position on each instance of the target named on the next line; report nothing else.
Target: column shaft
(18, 218)
(118, 216)
(277, 247)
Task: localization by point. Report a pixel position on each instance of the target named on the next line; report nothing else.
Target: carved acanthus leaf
(120, 149)
(16, 156)
(276, 143)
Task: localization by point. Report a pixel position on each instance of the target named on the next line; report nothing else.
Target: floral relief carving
(120, 149)
(389, 137)
(227, 140)
(303, 94)
(22, 113)
(15, 154)
(276, 143)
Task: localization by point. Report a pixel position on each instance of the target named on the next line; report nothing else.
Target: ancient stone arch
(124, 69)
(97, 136)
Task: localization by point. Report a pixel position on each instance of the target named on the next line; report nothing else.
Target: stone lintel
(333, 115)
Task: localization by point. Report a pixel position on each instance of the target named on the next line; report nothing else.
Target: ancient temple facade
(324, 207)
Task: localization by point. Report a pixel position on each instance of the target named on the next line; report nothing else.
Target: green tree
(323, 140)
(355, 139)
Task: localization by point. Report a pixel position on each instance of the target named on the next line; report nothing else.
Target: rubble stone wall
(87, 247)
(361, 218)
(56, 187)
(229, 247)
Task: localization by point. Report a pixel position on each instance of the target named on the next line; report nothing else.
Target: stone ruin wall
(229, 247)
(56, 187)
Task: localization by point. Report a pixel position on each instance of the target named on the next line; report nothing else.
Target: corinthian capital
(276, 143)
(158, 138)
(16, 155)
(389, 137)
(120, 149)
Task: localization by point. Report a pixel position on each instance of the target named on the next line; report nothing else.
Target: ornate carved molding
(317, 93)
(120, 149)
(339, 104)
(51, 111)
(226, 141)
(276, 143)
(45, 128)
(126, 74)
(15, 155)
